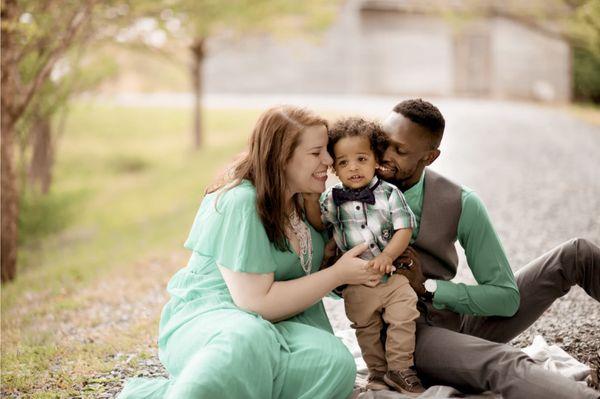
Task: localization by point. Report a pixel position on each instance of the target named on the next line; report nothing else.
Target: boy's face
(354, 161)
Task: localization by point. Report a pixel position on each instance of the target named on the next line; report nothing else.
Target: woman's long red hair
(274, 139)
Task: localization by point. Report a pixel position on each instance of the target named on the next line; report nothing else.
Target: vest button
(358, 207)
(372, 245)
(362, 226)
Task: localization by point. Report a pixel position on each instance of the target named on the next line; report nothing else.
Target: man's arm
(496, 293)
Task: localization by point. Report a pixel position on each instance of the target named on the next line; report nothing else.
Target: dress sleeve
(231, 232)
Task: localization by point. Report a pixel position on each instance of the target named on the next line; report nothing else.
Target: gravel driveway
(536, 168)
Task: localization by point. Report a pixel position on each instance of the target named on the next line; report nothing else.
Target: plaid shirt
(356, 222)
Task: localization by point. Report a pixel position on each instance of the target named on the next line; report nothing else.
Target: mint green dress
(213, 349)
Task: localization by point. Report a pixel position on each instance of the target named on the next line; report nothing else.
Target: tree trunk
(9, 202)
(197, 49)
(42, 159)
(9, 198)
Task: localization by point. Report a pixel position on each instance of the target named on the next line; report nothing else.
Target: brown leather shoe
(375, 381)
(405, 381)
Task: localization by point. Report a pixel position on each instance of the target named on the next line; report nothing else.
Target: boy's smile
(354, 161)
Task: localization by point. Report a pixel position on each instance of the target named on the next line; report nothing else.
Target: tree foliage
(584, 31)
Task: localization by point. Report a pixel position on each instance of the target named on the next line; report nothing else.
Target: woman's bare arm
(279, 300)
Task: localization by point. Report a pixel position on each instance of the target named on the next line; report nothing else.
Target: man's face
(409, 152)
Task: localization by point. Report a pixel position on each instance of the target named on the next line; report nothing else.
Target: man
(463, 330)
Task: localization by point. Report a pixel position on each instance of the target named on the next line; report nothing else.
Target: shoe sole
(399, 388)
(377, 387)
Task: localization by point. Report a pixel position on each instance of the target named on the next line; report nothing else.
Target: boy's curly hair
(358, 127)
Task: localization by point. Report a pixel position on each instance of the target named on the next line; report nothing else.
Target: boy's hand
(383, 263)
(375, 277)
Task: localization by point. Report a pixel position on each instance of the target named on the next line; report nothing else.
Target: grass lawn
(126, 187)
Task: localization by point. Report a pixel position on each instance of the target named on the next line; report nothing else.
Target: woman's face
(306, 172)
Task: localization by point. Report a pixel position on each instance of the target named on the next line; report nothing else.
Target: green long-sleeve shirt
(496, 293)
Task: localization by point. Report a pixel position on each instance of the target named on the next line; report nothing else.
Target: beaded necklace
(302, 233)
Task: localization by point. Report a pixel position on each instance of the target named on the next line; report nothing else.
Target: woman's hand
(353, 270)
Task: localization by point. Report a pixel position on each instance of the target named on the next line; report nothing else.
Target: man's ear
(432, 156)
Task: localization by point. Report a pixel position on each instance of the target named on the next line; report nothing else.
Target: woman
(245, 318)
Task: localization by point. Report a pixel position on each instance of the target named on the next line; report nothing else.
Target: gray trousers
(470, 353)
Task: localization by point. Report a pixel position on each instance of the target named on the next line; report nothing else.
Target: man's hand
(412, 269)
(382, 263)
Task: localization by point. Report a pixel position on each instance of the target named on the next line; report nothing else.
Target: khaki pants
(393, 302)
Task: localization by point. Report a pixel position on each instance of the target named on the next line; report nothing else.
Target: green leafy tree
(584, 31)
(42, 45)
(35, 35)
(42, 37)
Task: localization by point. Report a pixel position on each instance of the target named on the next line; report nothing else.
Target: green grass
(588, 112)
(126, 188)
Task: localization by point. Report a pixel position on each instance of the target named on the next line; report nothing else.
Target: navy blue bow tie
(341, 195)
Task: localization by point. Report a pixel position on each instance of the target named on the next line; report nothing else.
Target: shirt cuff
(444, 294)
(430, 285)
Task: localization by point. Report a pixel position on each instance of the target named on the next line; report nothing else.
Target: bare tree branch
(77, 22)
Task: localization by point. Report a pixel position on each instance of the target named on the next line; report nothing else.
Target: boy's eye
(342, 163)
(362, 159)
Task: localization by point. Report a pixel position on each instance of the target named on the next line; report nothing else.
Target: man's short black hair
(424, 114)
(358, 127)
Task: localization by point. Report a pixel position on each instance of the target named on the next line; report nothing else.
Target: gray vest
(441, 209)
